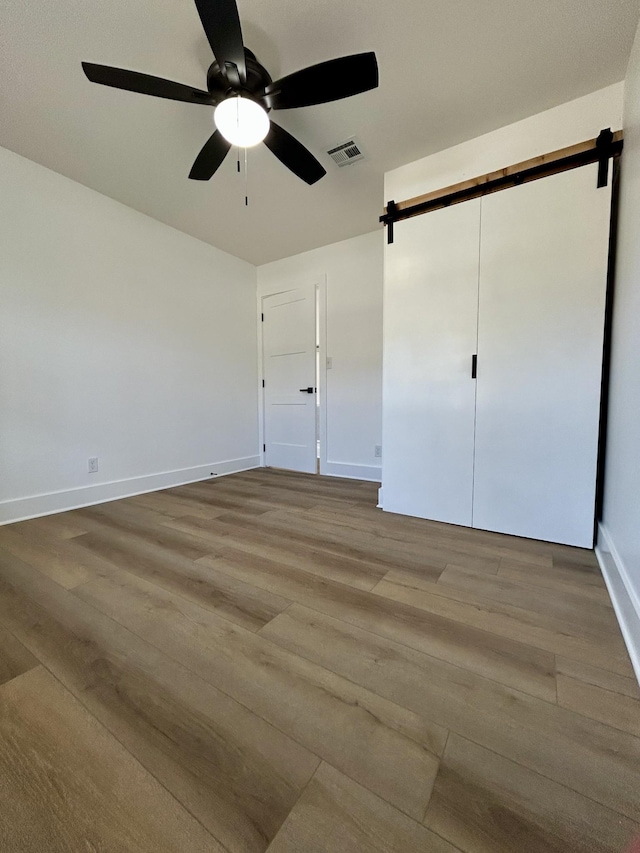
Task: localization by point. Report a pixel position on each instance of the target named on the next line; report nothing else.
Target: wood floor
(267, 662)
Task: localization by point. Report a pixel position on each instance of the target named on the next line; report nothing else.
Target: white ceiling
(449, 70)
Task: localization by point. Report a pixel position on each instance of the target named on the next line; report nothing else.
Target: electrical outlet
(378, 451)
(93, 464)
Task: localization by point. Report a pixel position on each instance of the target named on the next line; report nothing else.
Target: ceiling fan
(243, 93)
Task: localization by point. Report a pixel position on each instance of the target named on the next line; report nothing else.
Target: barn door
(543, 269)
(430, 334)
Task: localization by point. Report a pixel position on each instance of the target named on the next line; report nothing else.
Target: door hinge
(474, 366)
(262, 317)
(263, 383)
(264, 448)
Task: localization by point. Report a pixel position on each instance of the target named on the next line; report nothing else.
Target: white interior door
(543, 271)
(430, 335)
(289, 358)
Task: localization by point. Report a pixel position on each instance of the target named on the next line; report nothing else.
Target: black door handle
(308, 390)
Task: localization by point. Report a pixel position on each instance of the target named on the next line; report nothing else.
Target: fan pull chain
(246, 180)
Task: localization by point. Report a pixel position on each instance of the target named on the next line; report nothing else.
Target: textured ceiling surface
(448, 72)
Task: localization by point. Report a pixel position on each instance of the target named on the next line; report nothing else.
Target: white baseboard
(351, 472)
(624, 595)
(35, 506)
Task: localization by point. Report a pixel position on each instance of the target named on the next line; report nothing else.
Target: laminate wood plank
(456, 540)
(59, 559)
(484, 803)
(561, 603)
(472, 540)
(247, 494)
(597, 676)
(574, 580)
(234, 599)
(583, 558)
(291, 499)
(126, 509)
(340, 487)
(61, 525)
(67, 785)
(447, 541)
(539, 630)
(306, 497)
(207, 496)
(593, 759)
(341, 528)
(499, 544)
(387, 748)
(169, 503)
(145, 524)
(276, 498)
(238, 775)
(177, 642)
(614, 709)
(431, 549)
(348, 570)
(380, 554)
(336, 815)
(501, 658)
(502, 545)
(14, 657)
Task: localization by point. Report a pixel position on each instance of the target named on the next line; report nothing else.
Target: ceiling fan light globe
(241, 121)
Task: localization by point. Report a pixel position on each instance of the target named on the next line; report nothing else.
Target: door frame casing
(319, 283)
(321, 308)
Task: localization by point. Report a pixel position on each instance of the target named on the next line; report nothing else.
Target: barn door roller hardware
(599, 150)
(603, 145)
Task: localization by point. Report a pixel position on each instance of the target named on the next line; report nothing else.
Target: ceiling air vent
(346, 152)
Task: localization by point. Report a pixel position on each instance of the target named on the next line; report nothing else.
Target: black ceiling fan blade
(133, 81)
(221, 23)
(213, 153)
(327, 81)
(293, 154)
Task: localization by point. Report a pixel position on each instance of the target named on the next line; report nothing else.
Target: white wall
(120, 338)
(352, 405)
(619, 540)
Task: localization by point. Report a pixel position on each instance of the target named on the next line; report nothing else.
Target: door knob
(308, 390)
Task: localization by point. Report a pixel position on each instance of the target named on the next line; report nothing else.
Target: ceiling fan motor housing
(258, 78)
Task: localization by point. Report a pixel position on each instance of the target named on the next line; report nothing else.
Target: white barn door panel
(430, 333)
(543, 272)
(289, 359)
